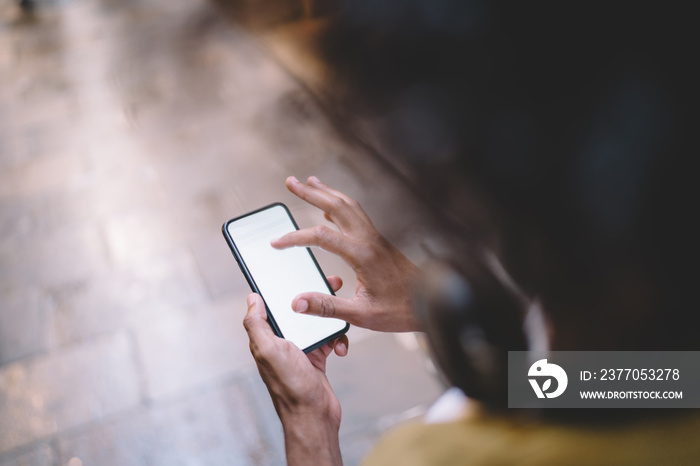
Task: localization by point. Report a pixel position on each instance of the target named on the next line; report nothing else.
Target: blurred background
(130, 130)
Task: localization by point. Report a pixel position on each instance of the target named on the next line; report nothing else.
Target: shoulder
(483, 440)
(462, 442)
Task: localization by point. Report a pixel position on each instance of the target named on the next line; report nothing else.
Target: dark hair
(571, 124)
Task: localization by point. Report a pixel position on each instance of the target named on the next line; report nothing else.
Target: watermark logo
(546, 372)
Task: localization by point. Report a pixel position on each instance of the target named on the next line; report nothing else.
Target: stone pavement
(129, 132)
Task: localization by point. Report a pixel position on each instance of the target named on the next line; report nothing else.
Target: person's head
(556, 137)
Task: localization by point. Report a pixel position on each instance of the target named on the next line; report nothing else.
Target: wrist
(311, 436)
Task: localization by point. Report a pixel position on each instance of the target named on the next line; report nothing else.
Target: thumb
(255, 320)
(324, 305)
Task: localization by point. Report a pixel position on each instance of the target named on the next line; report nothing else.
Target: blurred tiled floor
(129, 132)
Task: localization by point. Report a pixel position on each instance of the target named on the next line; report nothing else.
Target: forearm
(310, 439)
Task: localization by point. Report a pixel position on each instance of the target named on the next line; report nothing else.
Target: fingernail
(314, 178)
(302, 306)
(294, 179)
(250, 300)
(342, 347)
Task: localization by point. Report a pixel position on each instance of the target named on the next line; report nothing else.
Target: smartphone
(278, 275)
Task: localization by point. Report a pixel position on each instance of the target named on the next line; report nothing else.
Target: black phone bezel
(254, 287)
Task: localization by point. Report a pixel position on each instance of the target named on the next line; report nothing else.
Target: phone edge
(244, 269)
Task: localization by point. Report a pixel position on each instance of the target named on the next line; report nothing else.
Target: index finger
(323, 237)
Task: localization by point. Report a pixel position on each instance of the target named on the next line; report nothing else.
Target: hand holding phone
(278, 276)
(303, 398)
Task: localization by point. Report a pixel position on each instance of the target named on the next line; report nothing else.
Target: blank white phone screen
(280, 275)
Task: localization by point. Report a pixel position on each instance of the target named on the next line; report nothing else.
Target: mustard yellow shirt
(488, 440)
